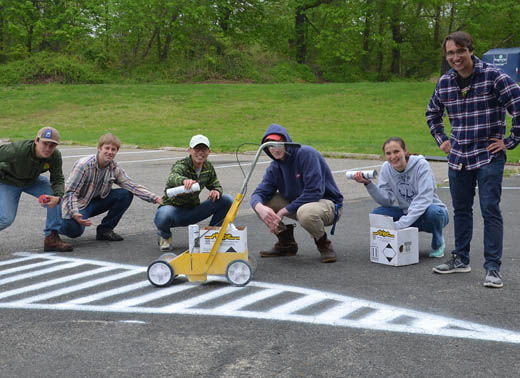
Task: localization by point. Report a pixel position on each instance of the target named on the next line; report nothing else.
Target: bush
(47, 68)
(290, 72)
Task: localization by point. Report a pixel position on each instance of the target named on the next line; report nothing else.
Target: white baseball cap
(199, 139)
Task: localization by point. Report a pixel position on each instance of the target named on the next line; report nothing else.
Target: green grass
(350, 118)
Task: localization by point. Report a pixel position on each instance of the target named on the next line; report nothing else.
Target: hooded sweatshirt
(414, 189)
(301, 177)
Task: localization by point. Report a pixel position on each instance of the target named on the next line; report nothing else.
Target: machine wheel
(160, 273)
(253, 263)
(167, 256)
(239, 272)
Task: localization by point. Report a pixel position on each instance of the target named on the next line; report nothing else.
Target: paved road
(92, 313)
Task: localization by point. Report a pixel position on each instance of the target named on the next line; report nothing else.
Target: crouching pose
(409, 181)
(298, 184)
(89, 192)
(194, 171)
(21, 166)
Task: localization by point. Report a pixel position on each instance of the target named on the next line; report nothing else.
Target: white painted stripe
(118, 154)
(339, 311)
(88, 261)
(40, 272)
(199, 299)
(429, 324)
(55, 281)
(147, 160)
(110, 293)
(28, 267)
(158, 293)
(358, 168)
(85, 285)
(239, 165)
(296, 305)
(380, 317)
(503, 188)
(20, 259)
(247, 300)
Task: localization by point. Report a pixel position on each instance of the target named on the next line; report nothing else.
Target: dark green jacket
(184, 169)
(20, 167)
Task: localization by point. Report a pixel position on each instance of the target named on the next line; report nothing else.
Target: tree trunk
(395, 67)
(150, 42)
(300, 43)
(436, 27)
(29, 38)
(300, 28)
(1, 31)
(368, 25)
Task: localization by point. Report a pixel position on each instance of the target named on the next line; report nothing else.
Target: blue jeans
(116, 203)
(10, 197)
(462, 188)
(434, 219)
(169, 216)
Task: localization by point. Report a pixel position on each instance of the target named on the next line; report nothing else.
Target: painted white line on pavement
(118, 154)
(357, 169)
(82, 286)
(28, 267)
(110, 293)
(152, 296)
(55, 281)
(230, 301)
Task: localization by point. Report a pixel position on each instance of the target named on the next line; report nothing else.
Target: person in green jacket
(21, 166)
(193, 173)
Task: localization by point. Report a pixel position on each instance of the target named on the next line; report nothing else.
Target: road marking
(257, 300)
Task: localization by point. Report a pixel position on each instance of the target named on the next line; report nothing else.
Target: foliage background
(260, 41)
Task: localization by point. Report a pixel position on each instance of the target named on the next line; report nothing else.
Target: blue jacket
(301, 177)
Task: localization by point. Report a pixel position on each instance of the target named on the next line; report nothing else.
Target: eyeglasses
(458, 52)
(201, 148)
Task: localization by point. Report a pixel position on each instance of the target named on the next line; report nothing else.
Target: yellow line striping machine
(238, 267)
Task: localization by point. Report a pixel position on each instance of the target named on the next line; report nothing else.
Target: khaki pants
(313, 216)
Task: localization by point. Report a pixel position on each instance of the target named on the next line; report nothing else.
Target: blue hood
(280, 130)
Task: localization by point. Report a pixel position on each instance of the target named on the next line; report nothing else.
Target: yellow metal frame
(197, 266)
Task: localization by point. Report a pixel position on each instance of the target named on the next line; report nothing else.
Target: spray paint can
(367, 174)
(44, 200)
(172, 192)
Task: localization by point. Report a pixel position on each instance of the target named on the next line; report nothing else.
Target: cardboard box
(390, 246)
(201, 239)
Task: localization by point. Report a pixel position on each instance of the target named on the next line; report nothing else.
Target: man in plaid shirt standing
(476, 96)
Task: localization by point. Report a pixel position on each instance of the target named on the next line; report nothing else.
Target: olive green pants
(313, 216)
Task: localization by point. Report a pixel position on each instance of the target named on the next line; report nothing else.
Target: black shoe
(109, 235)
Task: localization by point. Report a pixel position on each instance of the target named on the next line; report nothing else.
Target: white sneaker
(165, 245)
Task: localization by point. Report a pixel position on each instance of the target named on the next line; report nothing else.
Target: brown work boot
(54, 243)
(325, 247)
(285, 246)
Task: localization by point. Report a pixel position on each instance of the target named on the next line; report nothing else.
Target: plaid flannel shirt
(476, 117)
(82, 181)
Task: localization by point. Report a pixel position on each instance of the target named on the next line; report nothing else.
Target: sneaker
(437, 253)
(493, 279)
(165, 245)
(454, 265)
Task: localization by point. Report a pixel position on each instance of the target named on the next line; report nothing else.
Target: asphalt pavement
(92, 313)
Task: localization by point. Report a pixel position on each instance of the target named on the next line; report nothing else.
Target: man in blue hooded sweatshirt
(298, 184)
